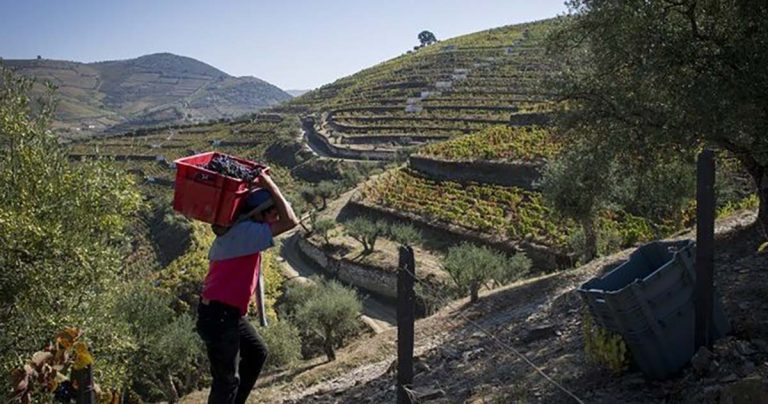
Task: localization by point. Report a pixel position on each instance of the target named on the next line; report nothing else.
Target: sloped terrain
(155, 89)
(466, 353)
(455, 86)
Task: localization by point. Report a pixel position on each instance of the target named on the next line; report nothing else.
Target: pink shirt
(233, 281)
(235, 263)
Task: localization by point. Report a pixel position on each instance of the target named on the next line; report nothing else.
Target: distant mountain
(297, 93)
(151, 90)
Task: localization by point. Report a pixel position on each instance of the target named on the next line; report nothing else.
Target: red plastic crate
(206, 195)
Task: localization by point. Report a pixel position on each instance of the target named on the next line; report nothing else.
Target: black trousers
(235, 350)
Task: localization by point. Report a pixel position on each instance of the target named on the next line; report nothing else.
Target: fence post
(406, 314)
(85, 389)
(705, 244)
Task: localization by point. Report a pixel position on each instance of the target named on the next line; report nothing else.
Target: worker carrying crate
(247, 210)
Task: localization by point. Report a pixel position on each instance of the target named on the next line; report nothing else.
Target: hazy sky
(292, 44)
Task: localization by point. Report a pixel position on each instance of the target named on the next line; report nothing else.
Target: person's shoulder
(249, 227)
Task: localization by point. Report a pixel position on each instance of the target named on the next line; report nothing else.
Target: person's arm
(288, 218)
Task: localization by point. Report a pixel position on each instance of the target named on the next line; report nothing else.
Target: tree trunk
(329, 352)
(173, 394)
(759, 174)
(762, 194)
(590, 239)
(473, 293)
(328, 344)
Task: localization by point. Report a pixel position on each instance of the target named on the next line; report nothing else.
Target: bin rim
(684, 243)
(181, 161)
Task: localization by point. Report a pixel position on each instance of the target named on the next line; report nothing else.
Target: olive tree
(366, 232)
(578, 184)
(471, 267)
(330, 312)
(404, 234)
(323, 227)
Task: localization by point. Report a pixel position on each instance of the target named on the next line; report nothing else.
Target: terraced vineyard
(457, 86)
(503, 211)
(496, 143)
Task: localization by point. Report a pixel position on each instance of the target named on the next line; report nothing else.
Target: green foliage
(273, 281)
(617, 205)
(657, 188)
(516, 267)
(323, 191)
(160, 345)
(603, 346)
(404, 234)
(650, 78)
(577, 185)
(330, 312)
(326, 190)
(426, 38)
(507, 211)
(294, 295)
(283, 343)
(366, 232)
(184, 276)
(472, 267)
(323, 228)
(177, 222)
(497, 143)
(62, 231)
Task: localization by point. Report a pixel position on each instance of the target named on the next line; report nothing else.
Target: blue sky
(292, 44)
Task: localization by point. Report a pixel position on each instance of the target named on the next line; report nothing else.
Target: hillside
(151, 90)
(466, 353)
(465, 121)
(455, 86)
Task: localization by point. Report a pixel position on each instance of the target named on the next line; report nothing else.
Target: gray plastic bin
(649, 301)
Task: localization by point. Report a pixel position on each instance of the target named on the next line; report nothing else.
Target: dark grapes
(64, 393)
(232, 168)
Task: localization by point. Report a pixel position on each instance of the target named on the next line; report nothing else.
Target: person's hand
(264, 180)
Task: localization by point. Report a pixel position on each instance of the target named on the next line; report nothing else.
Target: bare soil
(465, 353)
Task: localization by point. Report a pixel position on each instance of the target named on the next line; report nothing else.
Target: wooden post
(705, 245)
(406, 315)
(85, 391)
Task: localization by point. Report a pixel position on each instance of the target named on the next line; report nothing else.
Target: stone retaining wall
(382, 139)
(321, 142)
(515, 174)
(544, 258)
(376, 281)
(121, 157)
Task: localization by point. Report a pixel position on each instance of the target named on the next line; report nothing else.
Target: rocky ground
(468, 353)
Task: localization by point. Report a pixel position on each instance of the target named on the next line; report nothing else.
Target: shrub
(404, 234)
(472, 267)
(326, 190)
(331, 312)
(283, 343)
(366, 232)
(516, 267)
(294, 295)
(62, 232)
(323, 227)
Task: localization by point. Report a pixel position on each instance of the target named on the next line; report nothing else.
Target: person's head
(260, 206)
